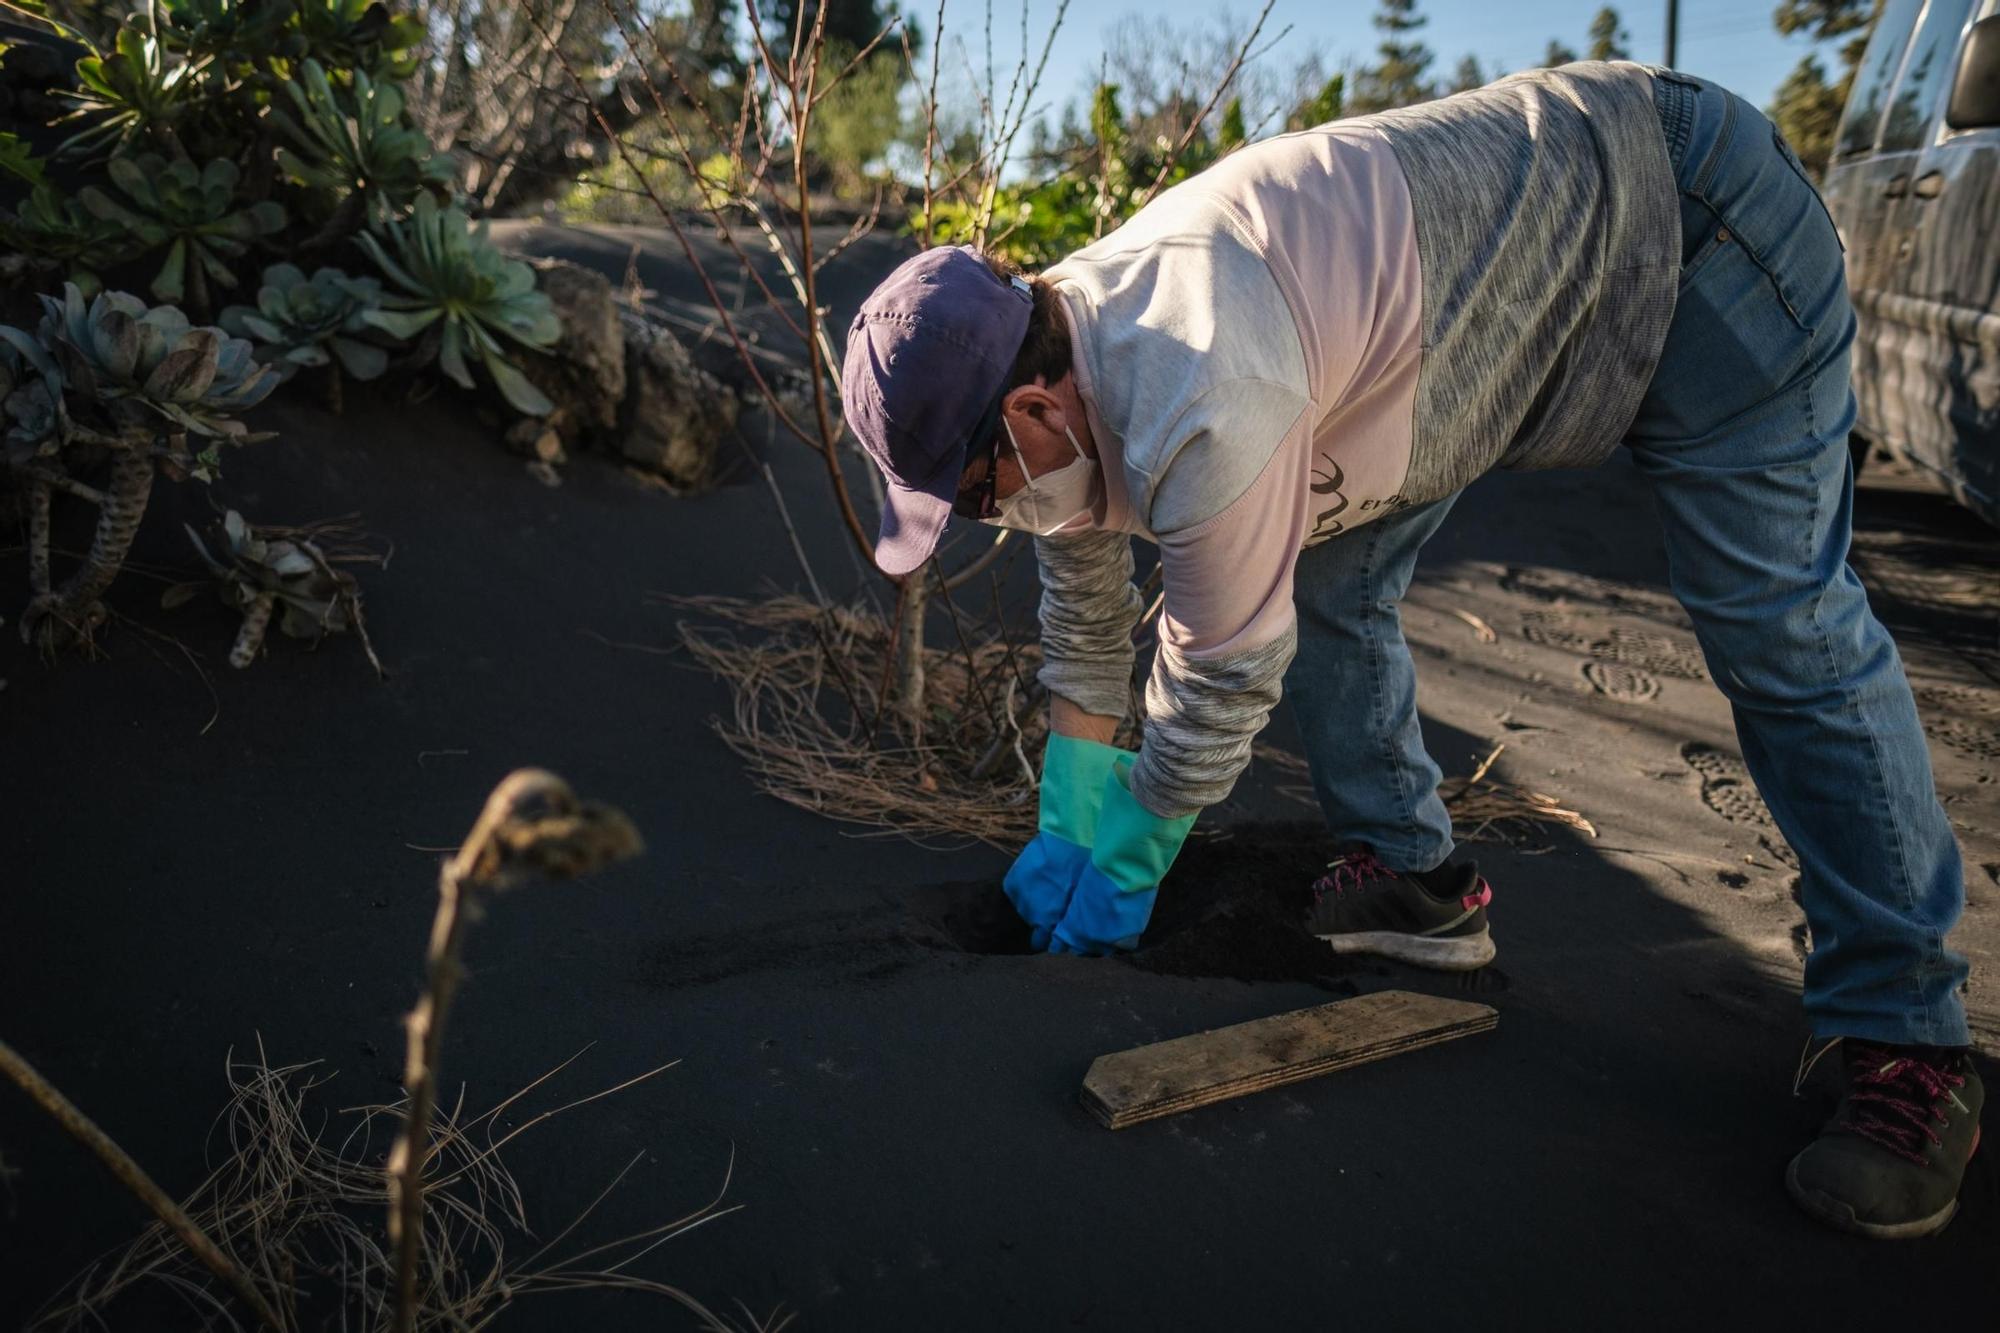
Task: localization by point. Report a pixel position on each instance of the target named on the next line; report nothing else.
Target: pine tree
(1557, 54)
(1608, 36)
(1397, 79)
(1468, 76)
(1806, 107)
(1822, 20)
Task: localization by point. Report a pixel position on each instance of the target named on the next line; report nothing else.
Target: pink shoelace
(1358, 868)
(1349, 872)
(1898, 1097)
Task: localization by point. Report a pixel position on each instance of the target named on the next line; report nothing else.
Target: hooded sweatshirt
(1326, 327)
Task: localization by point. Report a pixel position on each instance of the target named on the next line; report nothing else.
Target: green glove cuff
(1073, 775)
(1134, 847)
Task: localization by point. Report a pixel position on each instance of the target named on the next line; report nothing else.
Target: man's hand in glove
(1074, 774)
(1114, 891)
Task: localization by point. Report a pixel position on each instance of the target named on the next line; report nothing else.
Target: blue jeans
(1742, 436)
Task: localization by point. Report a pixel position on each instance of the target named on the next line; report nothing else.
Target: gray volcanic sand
(889, 1080)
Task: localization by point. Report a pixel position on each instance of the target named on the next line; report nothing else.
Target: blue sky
(1730, 41)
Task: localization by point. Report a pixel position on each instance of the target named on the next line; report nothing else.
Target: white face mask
(1052, 501)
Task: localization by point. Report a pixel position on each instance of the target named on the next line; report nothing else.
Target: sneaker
(1889, 1162)
(1435, 919)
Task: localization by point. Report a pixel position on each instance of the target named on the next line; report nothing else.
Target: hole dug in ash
(1233, 906)
(975, 917)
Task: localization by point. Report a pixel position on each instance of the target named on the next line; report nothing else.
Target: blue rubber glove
(1114, 894)
(1045, 873)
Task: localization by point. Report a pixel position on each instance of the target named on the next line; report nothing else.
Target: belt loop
(1674, 100)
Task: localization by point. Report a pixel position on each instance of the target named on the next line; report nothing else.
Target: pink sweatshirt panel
(1332, 212)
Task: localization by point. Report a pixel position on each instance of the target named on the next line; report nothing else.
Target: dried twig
(292, 1203)
(533, 826)
(980, 563)
(1486, 805)
(1480, 628)
(721, 308)
(134, 1178)
(1228, 77)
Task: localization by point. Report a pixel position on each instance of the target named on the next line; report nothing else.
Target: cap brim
(913, 521)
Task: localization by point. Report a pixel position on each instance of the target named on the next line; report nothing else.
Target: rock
(584, 373)
(675, 415)
(533, 437)
(620, 381)
(718, 356)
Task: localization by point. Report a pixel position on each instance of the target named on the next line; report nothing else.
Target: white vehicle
(1914, 186)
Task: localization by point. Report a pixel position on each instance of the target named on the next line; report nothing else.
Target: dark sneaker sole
(1455, 953)
(1836, 1214)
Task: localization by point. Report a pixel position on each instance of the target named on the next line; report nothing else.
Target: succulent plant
(18, 160)
(31, 405)
(348, 34)
(356, 143)
(193, 212)
(139, 86)
(261, 570)
(359, 35)
(463, 296)
(140, 365)
(35, 420)
(138, 381)
(31, 401)
(321, 320)
(55, 226)
(232, 29)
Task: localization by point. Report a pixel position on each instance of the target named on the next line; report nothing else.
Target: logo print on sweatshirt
(1327, 522)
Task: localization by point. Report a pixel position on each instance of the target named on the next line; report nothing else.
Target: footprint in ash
(1626, 684)
(1727, 789)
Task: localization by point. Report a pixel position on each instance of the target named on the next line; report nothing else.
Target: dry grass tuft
(1487, 810)
(813, 722)
(1482, 809)
(297, 1204)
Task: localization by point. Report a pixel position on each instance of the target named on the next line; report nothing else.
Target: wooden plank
(1173, 1076)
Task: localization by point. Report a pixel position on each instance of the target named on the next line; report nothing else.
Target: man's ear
(1033, 403)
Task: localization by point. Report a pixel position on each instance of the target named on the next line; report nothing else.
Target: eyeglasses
(980, 501)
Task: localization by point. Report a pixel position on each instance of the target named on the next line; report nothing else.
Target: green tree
(1557, 54)
(1823, 20)
(705, 37)
(1806, 108)
(849, 23)
(1608, 37)
(1116, 181)
(1467, 76)
(854, 126)
(1329, 103)
(1397, 78)
(1231, 134)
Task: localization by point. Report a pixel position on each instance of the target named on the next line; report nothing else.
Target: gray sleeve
(1202, 714)
(1089, 607)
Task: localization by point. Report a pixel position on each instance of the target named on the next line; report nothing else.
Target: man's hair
(1045, 352)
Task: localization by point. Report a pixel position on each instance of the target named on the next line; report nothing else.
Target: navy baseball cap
(927, 361)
